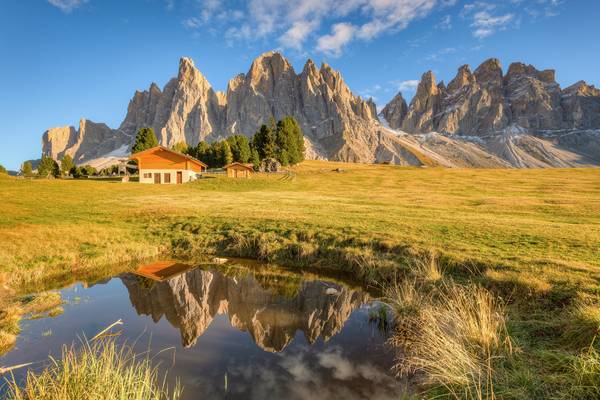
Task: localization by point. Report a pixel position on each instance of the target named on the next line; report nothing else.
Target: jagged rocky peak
(582, 89)
(489, 72)
(90, 140)
(188, 71)
(269, 67)
(518, 69)
(463, 78)
(427, 85)
(395, 111)
(337, 124)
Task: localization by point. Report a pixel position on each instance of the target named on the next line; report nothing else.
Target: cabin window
(147, 175)
(167, 178)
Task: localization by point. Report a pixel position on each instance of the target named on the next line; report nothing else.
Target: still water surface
(233, 332)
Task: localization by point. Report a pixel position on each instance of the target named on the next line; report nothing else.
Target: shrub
(99, 370)
(454, 336)
(48, 167)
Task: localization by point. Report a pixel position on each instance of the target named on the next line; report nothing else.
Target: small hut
(239, 170)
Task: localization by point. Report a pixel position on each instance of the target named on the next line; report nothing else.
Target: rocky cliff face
(91, 140)
(336, 123)
(487, 102)
(481, 118)
(191, 301)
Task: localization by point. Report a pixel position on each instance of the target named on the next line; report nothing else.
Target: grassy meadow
(530, 239)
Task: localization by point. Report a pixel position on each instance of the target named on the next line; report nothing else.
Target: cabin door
(156, 177)
(179, 177)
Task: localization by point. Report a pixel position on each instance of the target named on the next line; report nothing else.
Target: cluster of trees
(48, 167)
(3, 170)
(235, 148)
(283, 141)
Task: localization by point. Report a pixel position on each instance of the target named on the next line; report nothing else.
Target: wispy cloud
(327, 25)
(439, 55)
(445, 23)
(67, 6)
(408, 86)
(486, 19)
(333, 43)
(486, 24)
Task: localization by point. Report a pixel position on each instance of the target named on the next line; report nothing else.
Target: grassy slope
(536, 231)
(537, 218)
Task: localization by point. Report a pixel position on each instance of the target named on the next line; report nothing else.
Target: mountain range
(481, 118)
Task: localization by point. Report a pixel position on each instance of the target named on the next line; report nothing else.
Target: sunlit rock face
(481, 118)
(191, 301)
(487, 101)
(91, 140)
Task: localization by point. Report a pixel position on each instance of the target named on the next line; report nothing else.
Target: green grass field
(532, 237)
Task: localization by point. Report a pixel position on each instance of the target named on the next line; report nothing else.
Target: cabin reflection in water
(271, 310)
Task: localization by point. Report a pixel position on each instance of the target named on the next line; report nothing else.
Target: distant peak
(489, 71)
(186, 62)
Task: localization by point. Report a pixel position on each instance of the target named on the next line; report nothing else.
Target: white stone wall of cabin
(187, 175)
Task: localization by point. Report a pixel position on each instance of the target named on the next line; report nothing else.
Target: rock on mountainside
(336, 123)
(90, 141)
(523, 117)
(481, 119)
(191, 301)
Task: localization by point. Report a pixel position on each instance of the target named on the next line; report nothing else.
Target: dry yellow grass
(453, 336)
(98, 370)
(530, 236)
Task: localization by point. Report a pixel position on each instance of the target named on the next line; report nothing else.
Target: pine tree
(26, 168)
(145, 139)
(66, 164)
(240, 147)
(48, 167)
(264, 142)
(202, 152)
(290, 141)
(182, 147)
(226, 155)
(255, 158)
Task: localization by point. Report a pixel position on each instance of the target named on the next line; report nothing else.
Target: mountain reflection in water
(190, 301)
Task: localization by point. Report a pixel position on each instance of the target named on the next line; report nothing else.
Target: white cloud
(408, 86)
(328, 24)
(192, 23)
(486, 24)
(297, 34)
(332, 44)
(67, 6)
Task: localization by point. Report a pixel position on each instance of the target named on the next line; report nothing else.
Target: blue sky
(61, 60)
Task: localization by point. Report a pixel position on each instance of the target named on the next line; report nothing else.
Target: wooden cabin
(239, 170)
(164, 166)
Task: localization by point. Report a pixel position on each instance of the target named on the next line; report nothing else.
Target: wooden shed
(162, 165)
(239, 170)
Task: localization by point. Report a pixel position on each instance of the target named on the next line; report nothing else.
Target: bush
(99, 370)
(48, 167)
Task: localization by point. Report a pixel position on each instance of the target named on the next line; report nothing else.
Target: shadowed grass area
(97, 370)
(528, 239)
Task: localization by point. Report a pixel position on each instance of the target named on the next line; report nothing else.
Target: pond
(232, 331)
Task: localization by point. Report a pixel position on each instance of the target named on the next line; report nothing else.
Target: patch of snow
(387, 127)
(122, 151)
(469, 138)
